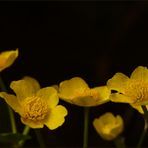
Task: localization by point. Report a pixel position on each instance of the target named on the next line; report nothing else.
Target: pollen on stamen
(138, 90)
(94, 94)
(35, 108)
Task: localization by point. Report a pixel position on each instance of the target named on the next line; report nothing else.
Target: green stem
(11, 114)
(25, 132)
(85, 134)
(12, 120)
(145, 127)
(40, 138)
(119, 142)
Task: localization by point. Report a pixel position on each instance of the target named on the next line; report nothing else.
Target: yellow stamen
(35, 108)
(138, 90)
(82, 93)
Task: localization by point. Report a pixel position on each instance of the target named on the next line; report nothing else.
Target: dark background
(61, 40)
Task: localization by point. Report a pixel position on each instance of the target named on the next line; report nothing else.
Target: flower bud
(108, 126)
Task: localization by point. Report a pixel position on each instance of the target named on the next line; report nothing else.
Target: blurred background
(61, 40)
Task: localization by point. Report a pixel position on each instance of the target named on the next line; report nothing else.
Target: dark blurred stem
(85, 134)
(40, 138)
(145, 126)
(12, 120)
(25, 132)
(119, 142)
(11, 114)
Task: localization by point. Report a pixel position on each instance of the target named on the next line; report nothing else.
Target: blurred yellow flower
(76, 91)
(37, 107)
(108, 126)
(7, 58)
(133, 90)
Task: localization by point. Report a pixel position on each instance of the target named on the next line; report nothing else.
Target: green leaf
(13, 138)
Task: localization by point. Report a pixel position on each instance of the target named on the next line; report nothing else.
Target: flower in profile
(133, 90)
(108, 126)
(7, 58)
(76, 91)
(37, 107)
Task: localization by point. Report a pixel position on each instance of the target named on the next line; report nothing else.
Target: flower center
(81, 93)
(138, 90)
(86, 93)
(35, 108)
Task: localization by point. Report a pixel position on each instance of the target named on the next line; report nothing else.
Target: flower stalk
(86, 125)
(40, 138)
(119, 142)
(25, 132)
(11, 114)
(145, 126)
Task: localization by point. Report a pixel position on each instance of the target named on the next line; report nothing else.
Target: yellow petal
(94, 97)
(116, 97)
(32, 124)
(56, 117)
(7, 58)
(101, 94)
(140, 73)
(86, 101)
(72, 88)
(118, 82)
(56, 87)
(139, 108)
(12, 101)
(25, 88)
(106, 118)
(119, 120)
(33, 82)
(49, 94)
(97, 124)
(118, 126)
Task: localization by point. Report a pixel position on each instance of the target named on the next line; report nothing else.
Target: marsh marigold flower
(76, 91)
(37, 107)
(133, 90)
(108, 126)
(7, 58)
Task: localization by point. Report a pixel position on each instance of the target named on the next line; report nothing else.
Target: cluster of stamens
(35, 108)
(137, 90)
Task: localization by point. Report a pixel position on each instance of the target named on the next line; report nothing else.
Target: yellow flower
(37, 107)
(133, 90)
(7, 58)
(108, 126)
(76, 91)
